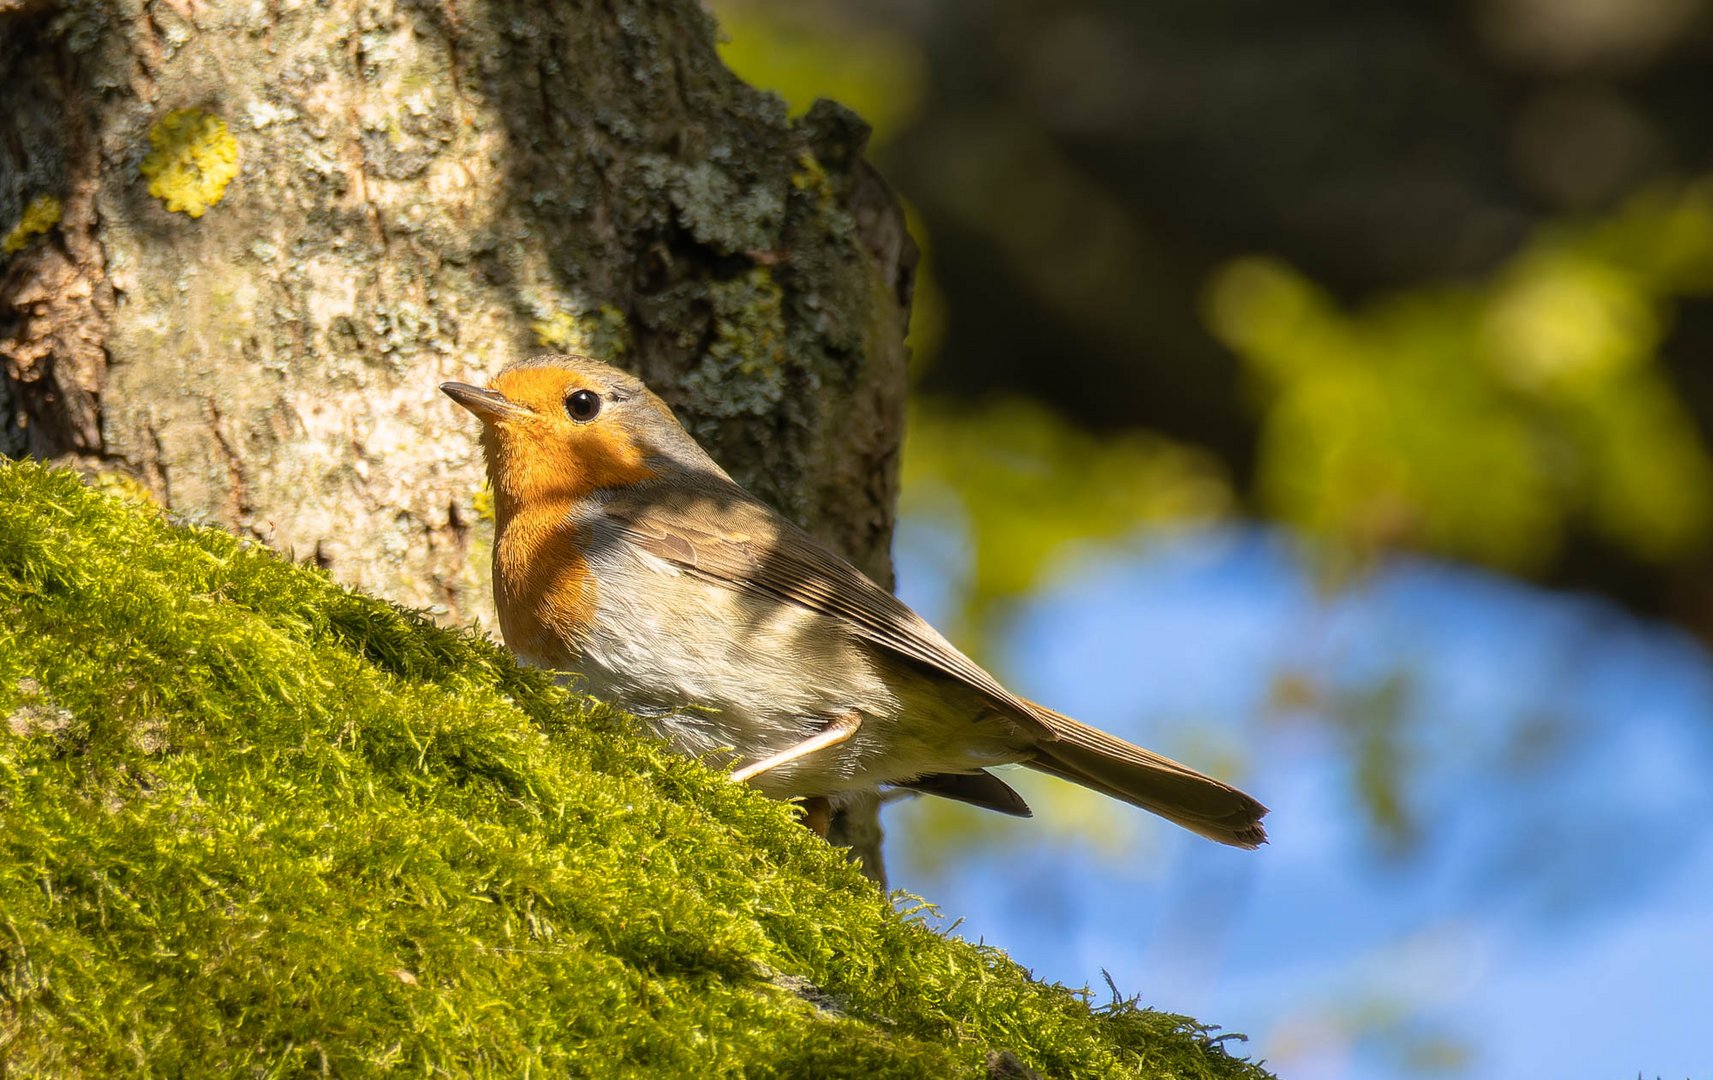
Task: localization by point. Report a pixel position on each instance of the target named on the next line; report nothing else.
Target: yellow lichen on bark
(601, 333)
(193, 159)
(42, 214)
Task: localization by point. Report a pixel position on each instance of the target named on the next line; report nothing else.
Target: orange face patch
(542, 464)
(546, 457)
(542, 390)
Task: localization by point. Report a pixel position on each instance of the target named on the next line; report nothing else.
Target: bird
(625, 555)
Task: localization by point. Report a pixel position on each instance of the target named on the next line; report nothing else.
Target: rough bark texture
(426, 191)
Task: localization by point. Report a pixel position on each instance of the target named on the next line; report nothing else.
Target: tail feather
(980, 788)
(1111, 766)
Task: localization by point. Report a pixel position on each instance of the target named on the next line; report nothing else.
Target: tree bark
(426, 191)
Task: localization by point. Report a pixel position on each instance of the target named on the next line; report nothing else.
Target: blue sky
(1550, 916)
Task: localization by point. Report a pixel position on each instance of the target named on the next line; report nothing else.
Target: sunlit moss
(43, 213)
(193, 158)
(252, 823)
(124, 486)
(811, 177)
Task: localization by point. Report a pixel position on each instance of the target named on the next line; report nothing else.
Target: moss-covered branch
(253, 822)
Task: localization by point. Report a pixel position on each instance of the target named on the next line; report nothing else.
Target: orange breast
(542, 586)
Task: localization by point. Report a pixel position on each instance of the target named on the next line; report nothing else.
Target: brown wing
(755, 547)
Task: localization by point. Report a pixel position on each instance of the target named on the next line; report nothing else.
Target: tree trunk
(244, 242)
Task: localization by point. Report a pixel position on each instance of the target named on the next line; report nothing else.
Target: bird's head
(560, 428)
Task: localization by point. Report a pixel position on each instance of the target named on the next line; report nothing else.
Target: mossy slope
(252, 823)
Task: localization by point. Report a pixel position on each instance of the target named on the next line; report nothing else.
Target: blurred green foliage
(1020, 484)
(1481, 420)
(1486, 420)
(1022, 492)
(806, 51)
(1493, 419)
(1453, 301)
(1023, 488)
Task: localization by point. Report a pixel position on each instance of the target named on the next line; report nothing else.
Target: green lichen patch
(483, 503)
(43, 213)
(744, 370)
(602, 332)
(723, 209)
(252, 823)
(811, 177)
(193, 158)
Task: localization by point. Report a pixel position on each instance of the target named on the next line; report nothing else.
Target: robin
(624, 553)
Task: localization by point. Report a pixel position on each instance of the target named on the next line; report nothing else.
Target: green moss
(193, 158)
(253, 823)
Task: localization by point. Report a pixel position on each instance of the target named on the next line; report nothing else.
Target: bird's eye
(583, 405)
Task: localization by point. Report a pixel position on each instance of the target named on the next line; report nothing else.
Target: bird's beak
(486, 404)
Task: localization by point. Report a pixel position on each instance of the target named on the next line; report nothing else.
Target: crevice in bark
(153, 466)
(55, 299)
(237, 498)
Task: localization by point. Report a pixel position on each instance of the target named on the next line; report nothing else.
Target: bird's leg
(831, 735)
(818, 815)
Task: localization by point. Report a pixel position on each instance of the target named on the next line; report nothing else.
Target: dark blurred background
(1087, 176)
(1339, 375)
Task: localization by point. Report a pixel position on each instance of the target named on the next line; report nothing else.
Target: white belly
(720, 671)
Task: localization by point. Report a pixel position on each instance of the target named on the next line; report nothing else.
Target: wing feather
(756, 548)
